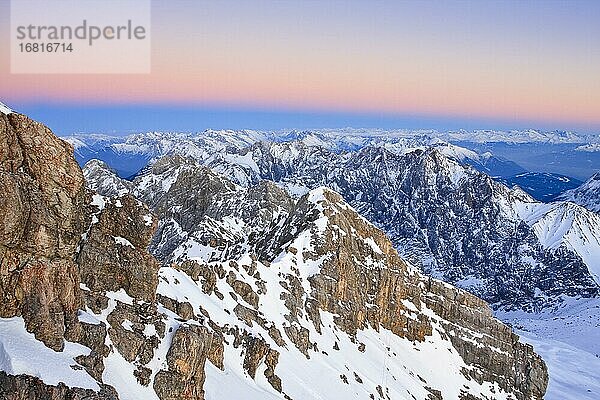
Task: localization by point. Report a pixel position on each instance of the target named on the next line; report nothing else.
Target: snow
(470, 283)
(245, 160)
(568, 339)
(294, 189)
(98, 201)
(21, 353)
(456, 152)
(573, 373)
(586, 195)
(234, 383)
(373, 245)
(122, 241)
(118, 371)
(4, 109)
(147, 219)
(75, 142)
(86, 317)
(589, 147)
(317, 195)
(565, 224)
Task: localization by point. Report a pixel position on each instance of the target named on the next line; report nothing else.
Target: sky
(308, 64)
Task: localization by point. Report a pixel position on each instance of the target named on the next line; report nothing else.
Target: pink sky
(536, 61)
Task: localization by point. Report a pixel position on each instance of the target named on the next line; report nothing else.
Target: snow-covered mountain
(127, 155)
(260, 295)
(4, 109)
(558, 226)
(454, 222)
(587, 195)
(520, 136)
(552, 152)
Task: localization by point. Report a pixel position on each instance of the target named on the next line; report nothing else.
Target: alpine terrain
(587, 195)
(249, 293)
(536, 263)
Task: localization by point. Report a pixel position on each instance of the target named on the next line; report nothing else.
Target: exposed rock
(127, 326)
(183, 309)
(114, 255)
(21, 387)
(243, 289)
(190, 348)
(43, 216)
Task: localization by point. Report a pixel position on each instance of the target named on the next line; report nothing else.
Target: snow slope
(4, 109)
(564, 223)
(568, 338)
(587, 195)
(21, 353)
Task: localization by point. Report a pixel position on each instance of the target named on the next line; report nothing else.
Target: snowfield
(568, 339)
(4, 109)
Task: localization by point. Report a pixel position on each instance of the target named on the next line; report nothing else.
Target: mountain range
(253, 293)
(536, 263)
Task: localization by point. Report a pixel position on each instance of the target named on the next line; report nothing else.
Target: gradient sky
(300, 64)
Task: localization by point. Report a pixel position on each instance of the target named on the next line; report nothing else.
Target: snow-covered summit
(4, 109)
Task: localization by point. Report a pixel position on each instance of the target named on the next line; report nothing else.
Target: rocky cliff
(260, 295)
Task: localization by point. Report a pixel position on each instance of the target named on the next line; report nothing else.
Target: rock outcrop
(42, 209)
(113, 256)
(28, 387)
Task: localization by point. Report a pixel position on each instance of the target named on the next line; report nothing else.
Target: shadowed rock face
(42, 209)
(141, 316)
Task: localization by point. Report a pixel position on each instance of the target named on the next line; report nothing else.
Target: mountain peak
(4, 109)
(587, 194)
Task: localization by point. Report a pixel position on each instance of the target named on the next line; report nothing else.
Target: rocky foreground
(256, 296)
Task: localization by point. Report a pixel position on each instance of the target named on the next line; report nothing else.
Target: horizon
(122, 120)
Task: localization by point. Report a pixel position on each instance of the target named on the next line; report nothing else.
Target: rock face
(114, 256)
(29, 387)
(184, 378)
(42, 212)
(260, 295)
